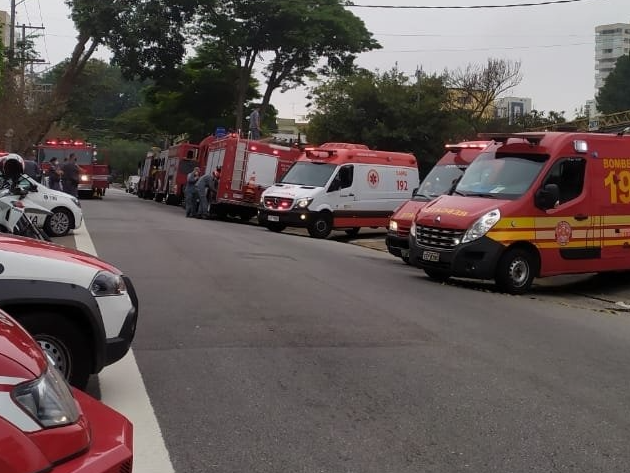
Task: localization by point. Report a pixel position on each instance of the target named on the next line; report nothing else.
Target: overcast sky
(555, 43)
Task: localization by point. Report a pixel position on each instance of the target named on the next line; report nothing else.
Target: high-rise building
(5, 28)
(611, 42)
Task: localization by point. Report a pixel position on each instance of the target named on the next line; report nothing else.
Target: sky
(554, 43)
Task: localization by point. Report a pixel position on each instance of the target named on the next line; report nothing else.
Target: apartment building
(611, 42)
(512, 108)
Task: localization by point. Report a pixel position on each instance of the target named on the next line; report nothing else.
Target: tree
(474, 89)
(384, 111)
(297, 36)
(613, 96)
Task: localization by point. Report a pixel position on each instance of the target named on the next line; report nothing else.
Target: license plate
(273, 218)
(433, 256)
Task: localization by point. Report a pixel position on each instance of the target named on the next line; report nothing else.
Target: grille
(278, 203)
(442, 238)
(125, 467)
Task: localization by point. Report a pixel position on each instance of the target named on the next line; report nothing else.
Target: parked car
(131, 184)
(65, 210)
(47, 426)
(81, 310)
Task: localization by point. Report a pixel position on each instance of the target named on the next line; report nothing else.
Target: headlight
(412, 230)
(393, 226)
(107, 284)
(84, 178)
(262, 200)
(75, 201)
(303, 203)
(48, 399)
(482, 226)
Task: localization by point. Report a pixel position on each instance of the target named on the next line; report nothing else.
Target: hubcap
(519, 272)
(321, 225)
(57, 353)
(59, 222)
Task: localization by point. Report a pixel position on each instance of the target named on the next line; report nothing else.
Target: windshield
(500, 175)
(439, 181)
(309, 174)
(84, 156)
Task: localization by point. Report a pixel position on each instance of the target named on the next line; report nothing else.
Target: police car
(66, 213)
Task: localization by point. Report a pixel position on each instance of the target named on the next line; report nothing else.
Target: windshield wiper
(482, 194)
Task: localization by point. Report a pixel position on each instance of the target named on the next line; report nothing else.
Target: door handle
(346, 195)
(580, 217)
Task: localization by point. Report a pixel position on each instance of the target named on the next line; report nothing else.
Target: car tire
(516, 271)
(62, 340)
(405, 259)
(321, 226)
(59, 223)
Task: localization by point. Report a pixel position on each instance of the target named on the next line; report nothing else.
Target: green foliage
(123, 156)
(384, 111)
(614, 96)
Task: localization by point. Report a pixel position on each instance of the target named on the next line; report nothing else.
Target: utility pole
(12, 31)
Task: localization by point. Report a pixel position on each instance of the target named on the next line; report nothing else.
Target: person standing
(31, 168)
(54, 175)
(71, 173)
(254, 123)
(190, 192)
(204, 184)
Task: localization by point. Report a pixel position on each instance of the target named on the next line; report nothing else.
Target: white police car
(66, 213)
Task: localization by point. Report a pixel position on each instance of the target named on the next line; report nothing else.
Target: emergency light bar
(320, 153)
(66, 143)
(471, 145)
(532, 138)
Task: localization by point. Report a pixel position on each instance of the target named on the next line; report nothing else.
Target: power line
(449, 50)
(466, 7)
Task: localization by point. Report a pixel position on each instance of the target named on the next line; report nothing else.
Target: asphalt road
(266, 352)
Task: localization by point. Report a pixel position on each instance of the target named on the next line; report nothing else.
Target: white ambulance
(339, 186)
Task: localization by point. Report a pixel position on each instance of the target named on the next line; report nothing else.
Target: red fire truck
(169, 181)
(248, 167)
(146, 170)
(94, 180)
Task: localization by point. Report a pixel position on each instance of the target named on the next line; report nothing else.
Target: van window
(306, 173)
(343, 179)
(568, 175)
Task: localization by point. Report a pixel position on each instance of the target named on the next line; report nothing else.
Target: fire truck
(94, 180)
(170, 179)
(247, 168)
(146, 171)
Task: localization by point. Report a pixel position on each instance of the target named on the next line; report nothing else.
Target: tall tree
(475, 88)
(293, 36)
(384, 111)
(614, 96)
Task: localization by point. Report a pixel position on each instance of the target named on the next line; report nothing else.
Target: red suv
(46, 426)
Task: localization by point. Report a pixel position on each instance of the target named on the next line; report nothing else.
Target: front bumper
(120, 316)
(397, 245)
(477, 259)
(111, 447)
(290, 218)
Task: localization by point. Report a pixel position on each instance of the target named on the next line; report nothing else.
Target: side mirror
(547, 197)
(335, 185)
(414, 192)
(32, 188)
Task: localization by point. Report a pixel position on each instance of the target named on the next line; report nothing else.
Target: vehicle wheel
(275, 226)
(62, 340)
(406, 259)
(59, 223)
(321, 226)
(437, 274)
(516, 271)
(158, 197)
(353, 231)
(171, 199)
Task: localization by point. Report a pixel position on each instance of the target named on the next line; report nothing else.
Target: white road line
(122, 388)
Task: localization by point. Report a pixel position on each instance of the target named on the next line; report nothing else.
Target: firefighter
(190, 192)
(203, 185)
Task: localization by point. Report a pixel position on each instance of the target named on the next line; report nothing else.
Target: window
(343, 179)
(568, 175)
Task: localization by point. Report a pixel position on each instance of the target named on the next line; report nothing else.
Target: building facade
(512, 108)
(611, 42)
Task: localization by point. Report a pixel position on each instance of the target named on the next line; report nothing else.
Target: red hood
(17, 346)
(456, 211)
(29, 246)
(407, 211)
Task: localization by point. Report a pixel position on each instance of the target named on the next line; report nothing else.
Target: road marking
(123, 389)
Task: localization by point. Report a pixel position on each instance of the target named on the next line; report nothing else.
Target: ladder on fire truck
(613, 122)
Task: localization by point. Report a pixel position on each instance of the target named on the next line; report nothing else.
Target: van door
(341, 193)
(569, 235)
